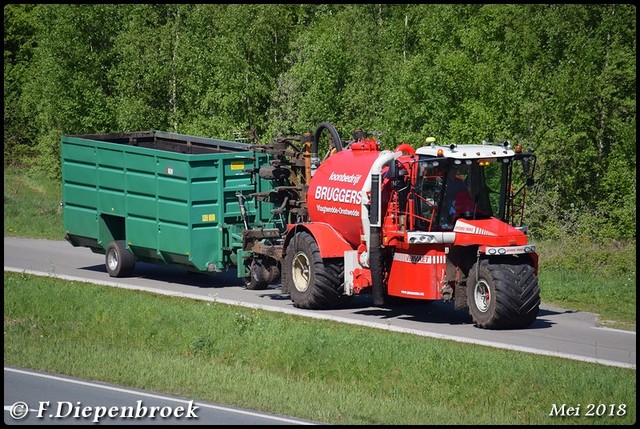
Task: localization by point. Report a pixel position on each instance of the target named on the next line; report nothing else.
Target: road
(556, 332)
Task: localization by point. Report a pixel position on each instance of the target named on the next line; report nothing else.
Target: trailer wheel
(312, 282)
(262, 272)
(119, 260)
(503, 296)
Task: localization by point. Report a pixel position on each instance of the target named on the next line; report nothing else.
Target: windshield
(446, 191)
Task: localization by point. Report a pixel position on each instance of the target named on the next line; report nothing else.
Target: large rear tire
(312, 282)
(503, 296)
(119, 260)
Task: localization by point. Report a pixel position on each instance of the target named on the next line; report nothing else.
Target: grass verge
(311, 369)
(600, 278)
(32, 205)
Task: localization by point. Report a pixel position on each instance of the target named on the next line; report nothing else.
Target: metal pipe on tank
(372, 222)
(383, 159)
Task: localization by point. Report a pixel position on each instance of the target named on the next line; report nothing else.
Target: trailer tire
(119, 260)
(503, 296)
(262, 272)
(312, 282)
(251, 283)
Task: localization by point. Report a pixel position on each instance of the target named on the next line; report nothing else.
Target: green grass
(32, 205)
(283, 364)
(596, 278)
(615, 305)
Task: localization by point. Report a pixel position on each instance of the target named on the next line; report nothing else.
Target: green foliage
(557, 77)
(229, 59)
(19, 42)
(144, 75)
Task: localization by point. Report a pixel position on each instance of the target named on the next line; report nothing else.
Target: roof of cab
(467, 151)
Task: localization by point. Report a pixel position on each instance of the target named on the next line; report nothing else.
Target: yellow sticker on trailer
(237, 165)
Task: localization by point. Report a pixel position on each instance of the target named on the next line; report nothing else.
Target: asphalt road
(556, 332)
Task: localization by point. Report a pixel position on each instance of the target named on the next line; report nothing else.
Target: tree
(66, 85)
(19, 44)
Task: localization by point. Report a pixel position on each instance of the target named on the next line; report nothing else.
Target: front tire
(312, 282)
(503, 296)
(119, 260)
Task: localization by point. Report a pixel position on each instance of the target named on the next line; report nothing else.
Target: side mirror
(393, 173)
(397, 176)
(393, 170)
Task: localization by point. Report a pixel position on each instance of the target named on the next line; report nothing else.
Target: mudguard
(330, 242)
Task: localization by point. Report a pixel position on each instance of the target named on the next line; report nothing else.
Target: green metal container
(171, 197)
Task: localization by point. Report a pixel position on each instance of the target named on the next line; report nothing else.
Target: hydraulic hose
(334, 136)
(406, 148)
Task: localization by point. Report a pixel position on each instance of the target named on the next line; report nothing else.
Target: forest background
(559, 78)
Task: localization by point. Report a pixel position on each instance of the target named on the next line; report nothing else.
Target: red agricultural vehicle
(441, 222)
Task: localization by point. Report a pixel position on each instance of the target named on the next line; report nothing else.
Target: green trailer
(163, 198)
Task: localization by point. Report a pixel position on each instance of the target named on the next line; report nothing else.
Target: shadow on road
(437, 312)
(176, 275)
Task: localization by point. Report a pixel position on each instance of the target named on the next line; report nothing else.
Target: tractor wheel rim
(112, 260)
(482, 296)
(301, 272)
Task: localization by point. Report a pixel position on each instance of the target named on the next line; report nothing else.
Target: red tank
(335, 191)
